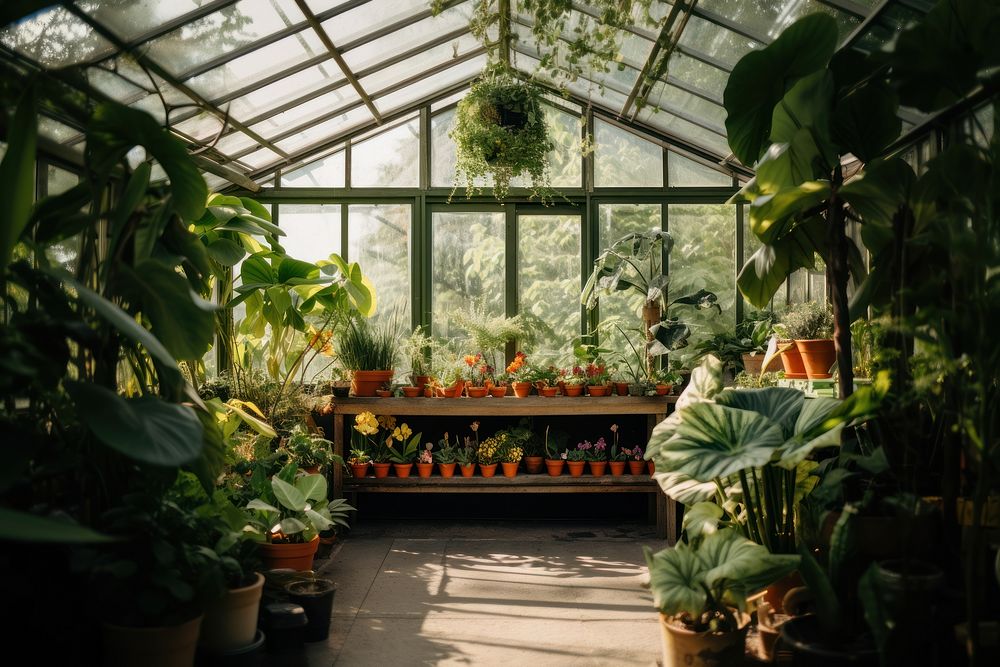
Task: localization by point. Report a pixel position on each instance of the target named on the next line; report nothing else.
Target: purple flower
(600, 445)
(584, 446)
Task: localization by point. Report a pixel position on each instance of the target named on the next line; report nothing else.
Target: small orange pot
(651, 467)
(403, 469)
(791, 360)
(573, 389)
(311, 470)
(621, 388)
(617, 468)
(476, 392)
(554, 466)
(521, 389)
(576, 468)
(467, 470)
(817, 357)
(412, 392)
(597, 468)
(430, 393)
(663, 389)
(421, 381)
(292, 556)
(498, 392)
(510, 469)
(447, 470)
(381, 470)
(359, 470)
(425, 469)
(366, 383)
(488, 470)
(548, 391)
(383, 393)
(598, 389)
(636, 467)
(534, 464)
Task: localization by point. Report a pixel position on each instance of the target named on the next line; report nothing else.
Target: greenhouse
(619, 332)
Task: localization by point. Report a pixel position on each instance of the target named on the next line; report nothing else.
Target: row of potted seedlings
(381, 445)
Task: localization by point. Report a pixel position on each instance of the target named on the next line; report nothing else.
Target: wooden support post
(338, 449)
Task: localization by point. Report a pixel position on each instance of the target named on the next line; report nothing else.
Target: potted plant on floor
(369, 349)
(489, 453)
(700, 589)
(810, 326)
(618, 457)
(309, 450)
(446, 456)
(425, 461)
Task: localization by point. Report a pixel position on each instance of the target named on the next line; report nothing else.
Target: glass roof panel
(222, 32)
(55, 38)
(56, 131)
(410, 37)
(130, 19)
(112, 85)
(389, 159)
(327, 129)
(235, 142)
(307, 112)
(202, 126)
(439, 55)
(327, 172)
(714, 40)
(370, 17)
(672, 98)
(694, 73)
(428, 86)
(768, 18)
(247, 107)
(259, 158)
(258, 64)
(685, 130)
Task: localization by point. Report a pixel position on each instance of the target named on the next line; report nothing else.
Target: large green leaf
(675, 578)
(761, 78)
(256, 271)
(226, 252)
(17, 175)
(715, 441)
(23, 527)
(770, 265)
(134, 193)
(772, 216)
(701, 519)
(146, 429)
(683, 488)
(288, 495)
(782, 405)
(290, 268)
(865, 121)
(739, 566)
(180, 319)
(313, 487)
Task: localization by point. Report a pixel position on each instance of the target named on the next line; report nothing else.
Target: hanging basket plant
(500, 130)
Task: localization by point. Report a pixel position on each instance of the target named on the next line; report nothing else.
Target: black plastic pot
(802, 637)
(286, 626)
(251, 655)
(316, 597)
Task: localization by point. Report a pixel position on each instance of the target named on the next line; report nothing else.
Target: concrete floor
(498, 593)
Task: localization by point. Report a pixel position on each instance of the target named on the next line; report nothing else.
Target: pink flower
(600, 445)
(614, 428)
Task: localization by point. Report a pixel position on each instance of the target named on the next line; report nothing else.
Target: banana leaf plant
(748, 450)
(634, 263)
(796, 110)
(699, 582)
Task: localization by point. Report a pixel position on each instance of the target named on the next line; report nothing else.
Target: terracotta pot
(325, 545)
(752, 363)
(359, 470)
(663, 389)
(476, 392)
(775, 593)
(598, 389)
(703, 649)
(430, 393)
(597, 468)
(311, 470)
(621, 388)
(534, 464)
(488, 470)
(447, 470)
(510, 469)
(165, 646)
(636, 467)
(548, 392)
(420, 381)
(230, 620)
(403, 469)
(576, 468)
(425, 469)
(498, 392)
(521, 389)
(383, 393)
(573, 390)
(554, 466)
(791, 360)
(413, 392)
(458, 390)
(366, 383)
(381, 470)
(651, 467)
(467, 470)
(817, 357)
(617, 468)
(297, 556)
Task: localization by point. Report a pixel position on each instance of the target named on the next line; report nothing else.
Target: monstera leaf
(725, 564)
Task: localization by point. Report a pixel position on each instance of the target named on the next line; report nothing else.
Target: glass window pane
(684, 172)
(389, 159)
(443, 152)
(221, 32)
(565, 162)
(66, 253)
(378, 81)
(292, 87)
(797, 286)
(698, 75)
(312, 230)
(379, 240)
(55, 38)
(326, 130)
(325, 173)
(685, 130)
(468, 258)
(260, 158)
(370, 17)
(462, 72)
(625, 308)
(770, 17)
(704, 257)
(714, 40)
(305, 113)
(621, 159)
(673, 99)
(548, 281)
(131, 18)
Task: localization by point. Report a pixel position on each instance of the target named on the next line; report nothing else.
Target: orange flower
(470, 360)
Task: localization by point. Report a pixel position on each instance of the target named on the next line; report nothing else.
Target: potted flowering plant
(510, 454)
(446, 456)
(598, 378)
(573, 381)
(546, 380)
(425, 461)
(359, 460)
(402, 455)
(576, 460)
(489, 453)
(618, 456)
(554, 461)
(368, 441)
(634, 457)
(520, 375)
(664, 380)
(595, 455)
(477, 374)
(465, 457)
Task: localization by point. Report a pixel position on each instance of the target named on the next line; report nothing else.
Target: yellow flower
(365, 423)
(474, 426)
(405, 431)
(388, 422)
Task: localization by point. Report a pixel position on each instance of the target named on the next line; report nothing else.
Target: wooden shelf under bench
(655, 408)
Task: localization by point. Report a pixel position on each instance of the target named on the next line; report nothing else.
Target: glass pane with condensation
(623, 159)
(714, 40)
(130, 19)
(284, 91)
(312, 231)
(346, 28)
(768, 18)
(222, 32)
(113, 85)
(467, 268)
(389, 159)
(258, 64)
(55, 38)
(703, 257)
(675, 100)
(698, 75)
(548, 283)
(327, 172)
(379, 240)
(684, 172)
